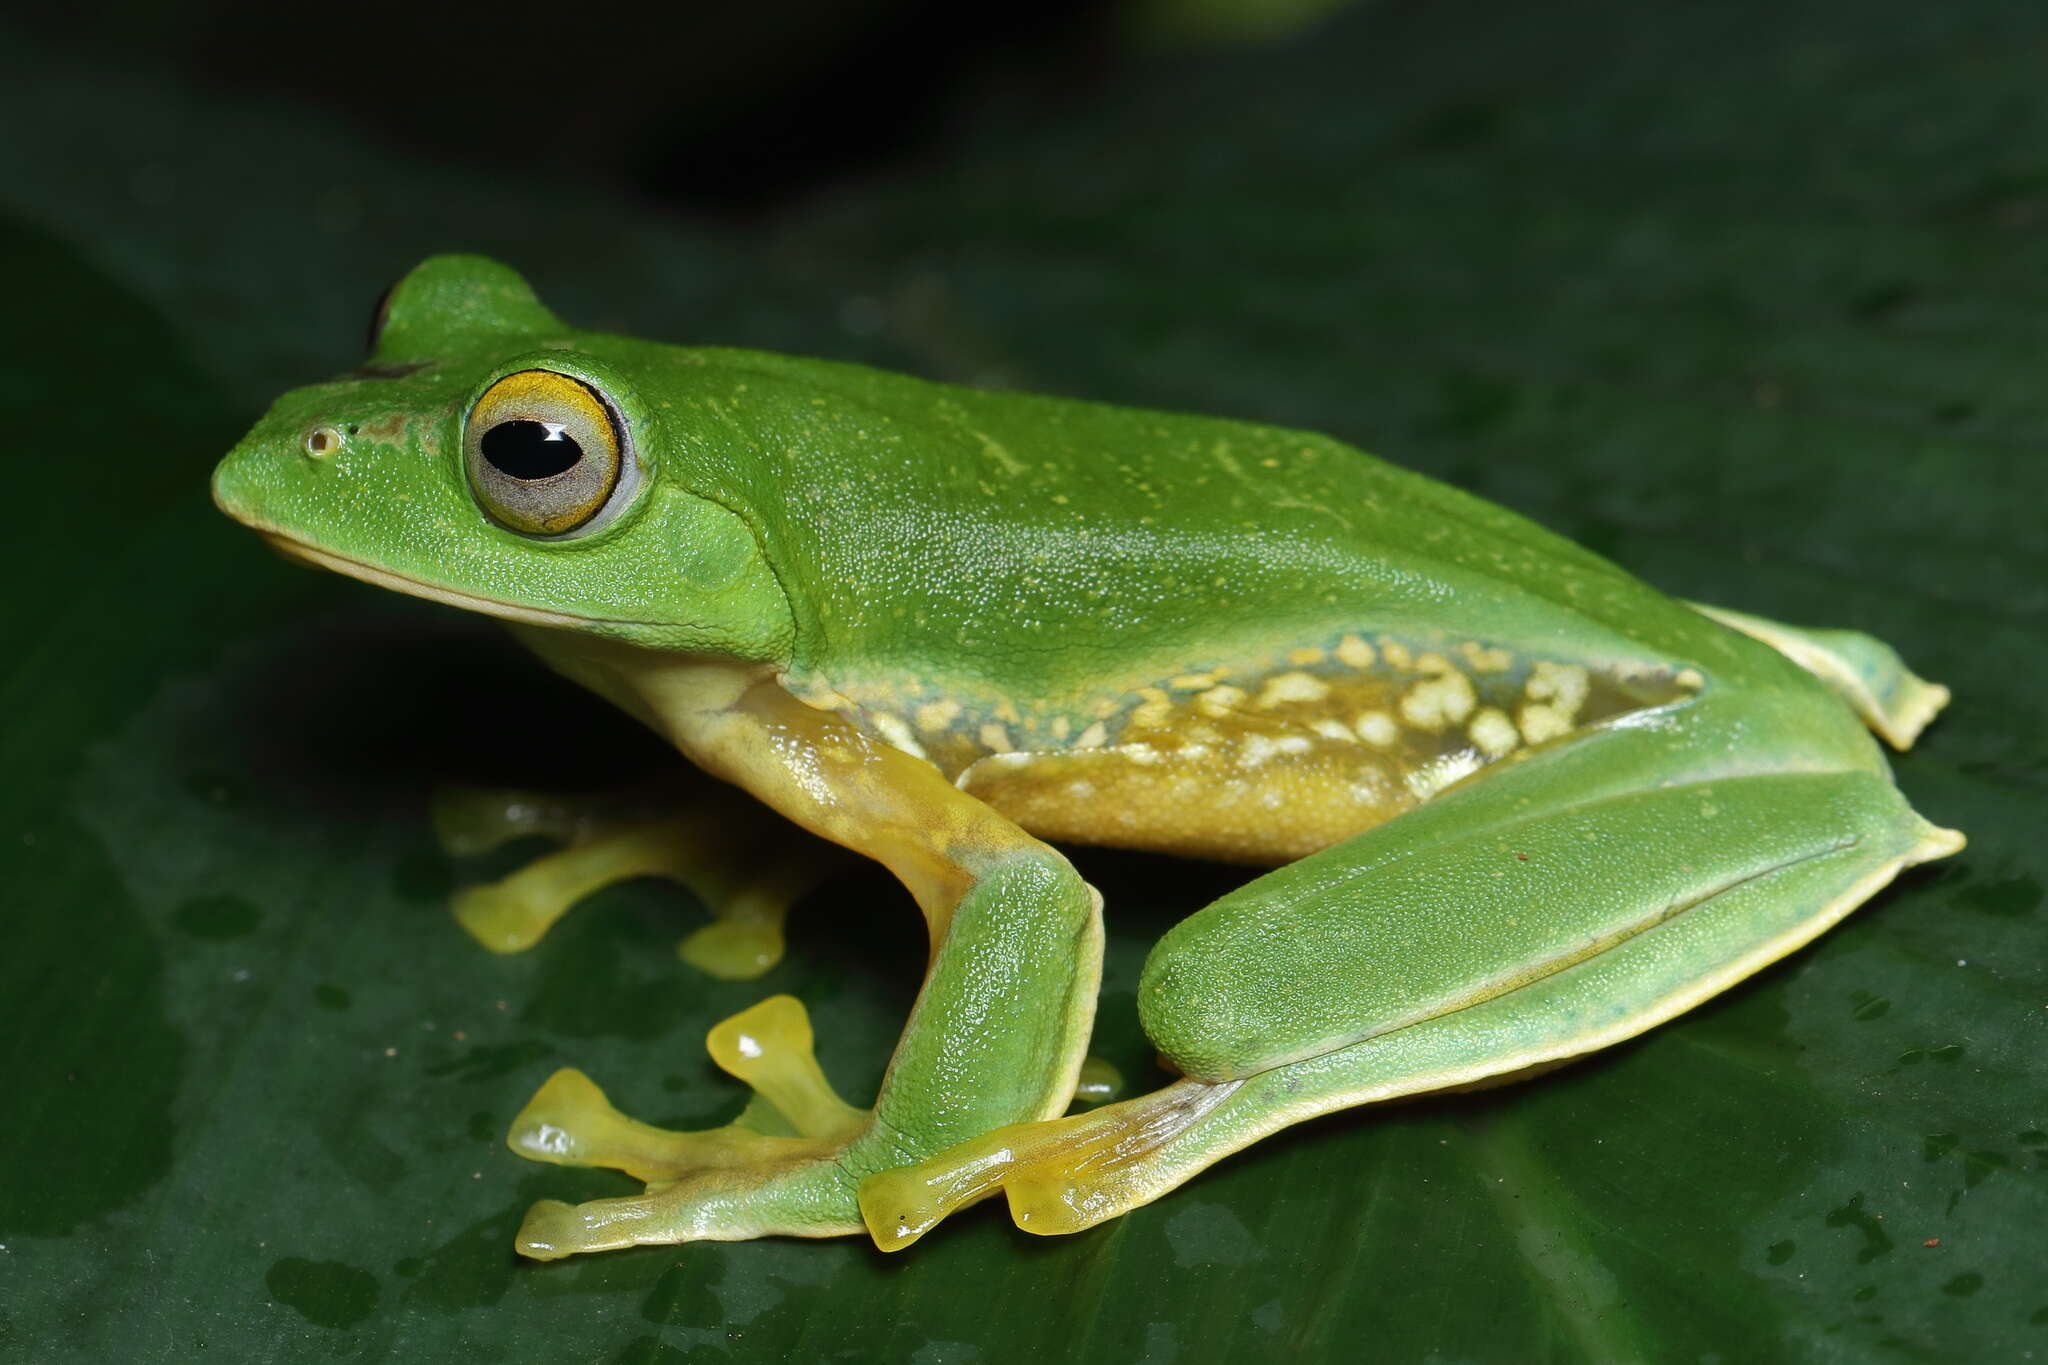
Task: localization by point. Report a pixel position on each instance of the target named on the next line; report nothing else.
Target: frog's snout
(230, 484)
(267, 470)
(245, 482)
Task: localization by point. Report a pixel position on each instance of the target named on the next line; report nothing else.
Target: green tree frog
(1518, 805)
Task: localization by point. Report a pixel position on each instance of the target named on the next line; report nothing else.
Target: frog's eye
(543, 452)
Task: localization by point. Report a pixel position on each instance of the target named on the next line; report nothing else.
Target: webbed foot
(775, 1170)
(746, 866)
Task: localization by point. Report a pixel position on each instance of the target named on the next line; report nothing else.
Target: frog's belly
(1285, 806)
(1264, 760)
(1292, 759)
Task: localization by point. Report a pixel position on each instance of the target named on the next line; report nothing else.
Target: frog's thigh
(1507, 931)
(1386, 932)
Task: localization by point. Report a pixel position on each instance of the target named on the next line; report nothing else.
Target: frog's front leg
(1558, 906)
(996, 1037)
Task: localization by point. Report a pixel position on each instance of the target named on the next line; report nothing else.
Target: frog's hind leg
(747, 867)
(1569, 903)
(1861, 669)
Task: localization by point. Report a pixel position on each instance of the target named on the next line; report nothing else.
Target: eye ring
(323, 441)
(543, 452)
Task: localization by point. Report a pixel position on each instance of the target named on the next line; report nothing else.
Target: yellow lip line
(384, 578)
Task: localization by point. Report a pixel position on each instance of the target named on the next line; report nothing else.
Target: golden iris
(543, 452)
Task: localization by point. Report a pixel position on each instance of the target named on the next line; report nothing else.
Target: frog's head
(490, 457)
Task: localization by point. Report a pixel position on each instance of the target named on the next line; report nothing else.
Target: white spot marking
(1437, 701)
(897, 733)
(1539, 722)
(1256, 750)
(1220, 701)
(1377, 728)
(1286, 687)
(1493, 732)
(1434, 776)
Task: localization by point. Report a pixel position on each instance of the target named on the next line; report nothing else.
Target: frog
(1511, 804)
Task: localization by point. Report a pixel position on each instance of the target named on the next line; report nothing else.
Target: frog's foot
(511, 915)
(1863, 671)
(775, 1170)
(1061, 1175)
(474, 820)
(747, 868)
(750, 903)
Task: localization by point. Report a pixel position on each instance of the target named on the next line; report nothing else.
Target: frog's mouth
(433, 592)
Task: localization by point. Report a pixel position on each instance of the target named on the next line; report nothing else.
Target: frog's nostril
(323, 440)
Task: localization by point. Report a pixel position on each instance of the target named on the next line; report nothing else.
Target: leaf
(1748, 301)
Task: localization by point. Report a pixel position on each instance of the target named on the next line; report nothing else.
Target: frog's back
(1057, 542)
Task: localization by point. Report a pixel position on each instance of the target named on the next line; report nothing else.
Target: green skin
(910, 616)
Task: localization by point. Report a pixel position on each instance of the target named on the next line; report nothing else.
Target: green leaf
(1751, 302)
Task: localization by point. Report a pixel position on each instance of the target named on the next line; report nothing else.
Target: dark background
(732, 111)
(1749, 297)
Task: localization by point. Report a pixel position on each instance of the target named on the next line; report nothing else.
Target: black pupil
(530, 450)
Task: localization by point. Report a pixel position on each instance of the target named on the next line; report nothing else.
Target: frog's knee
(1040, 880)
(1210, 1008)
